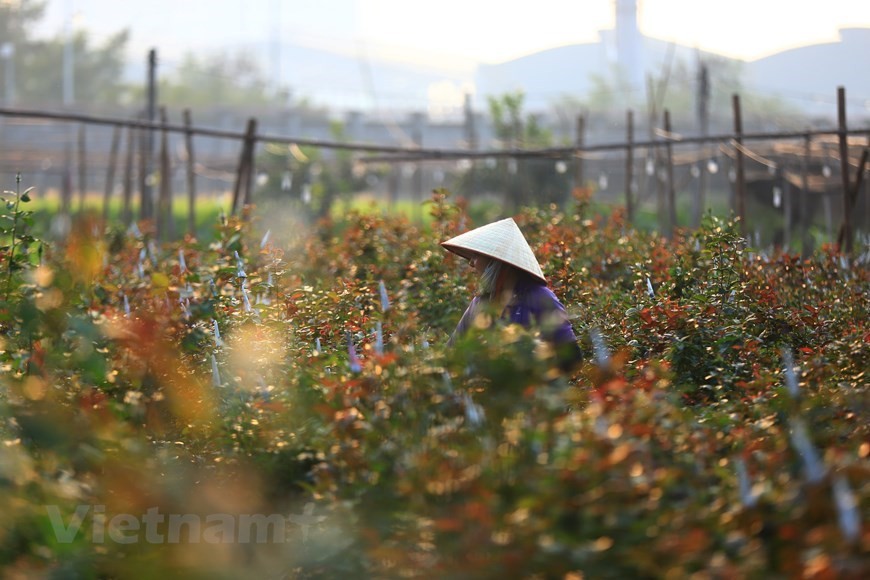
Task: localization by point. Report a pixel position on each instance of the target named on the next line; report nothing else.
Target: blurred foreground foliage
(719, 426)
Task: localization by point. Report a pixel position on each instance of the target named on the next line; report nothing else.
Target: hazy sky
(456, 33)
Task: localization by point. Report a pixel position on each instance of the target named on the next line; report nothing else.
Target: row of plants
(717, 426)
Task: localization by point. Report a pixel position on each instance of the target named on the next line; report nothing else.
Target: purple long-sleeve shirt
(533, 304)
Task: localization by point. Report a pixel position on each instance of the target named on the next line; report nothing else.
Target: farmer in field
(513, 285)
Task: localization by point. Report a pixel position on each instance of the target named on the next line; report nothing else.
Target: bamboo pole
(786, 206)
(393, 186)
(144, 176)
(147, 150)
(803, 212)
(242, 176)
(110, 171)
(165, 219)
(851, 200)
(740, 185)
(83, 166)
(126, 212)
(578, 151)
(191, 174)
(66, 190)
(867, 199)
(417, 136)
(237, 187)
(700, 200)
(844, 172)
(629, 166)
(412, 154)
(671, 187)
(252, 164)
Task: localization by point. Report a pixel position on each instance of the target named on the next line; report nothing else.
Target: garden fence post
(826, 199)
(244, 165)
(239, 173)
(393, 185)
(803, 211)
(191, 174)
(700, 199)
(629, 166)
(851, 200)
(165, 219)
(740, 185)
(672, 194)
(126, 213)
(66, 184)
(786, 189)
(144, 173)
(578, 151)
(83, 166)
(867, 199)
(846, 230)
(252, 148)
(661, 192)
(417, 136)
(110, 171)
(471, 140)
(147, 146)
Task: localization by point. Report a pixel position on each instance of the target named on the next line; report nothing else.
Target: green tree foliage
(17, 18)
(675, 87)
(234, 80)
(97, 69)
(520, 180)
(311, 178)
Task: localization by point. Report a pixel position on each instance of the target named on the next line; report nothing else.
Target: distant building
(623, 56)
(629, 42)
(806, 78)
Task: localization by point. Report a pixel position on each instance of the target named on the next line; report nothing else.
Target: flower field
(283, 405)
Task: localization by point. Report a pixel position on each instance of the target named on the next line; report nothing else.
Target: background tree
(97, 72)
(232, 80)
(37, 65)
(17, 18)
(312, 179)
(520, 180)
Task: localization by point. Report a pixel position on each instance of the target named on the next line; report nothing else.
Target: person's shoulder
(535, 287)
(538, 293)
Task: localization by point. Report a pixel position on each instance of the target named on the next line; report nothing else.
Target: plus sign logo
(305, 520)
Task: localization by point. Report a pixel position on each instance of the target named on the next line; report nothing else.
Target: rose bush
(718, 426)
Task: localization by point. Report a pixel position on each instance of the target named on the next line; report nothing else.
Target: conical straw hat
(501, 240)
